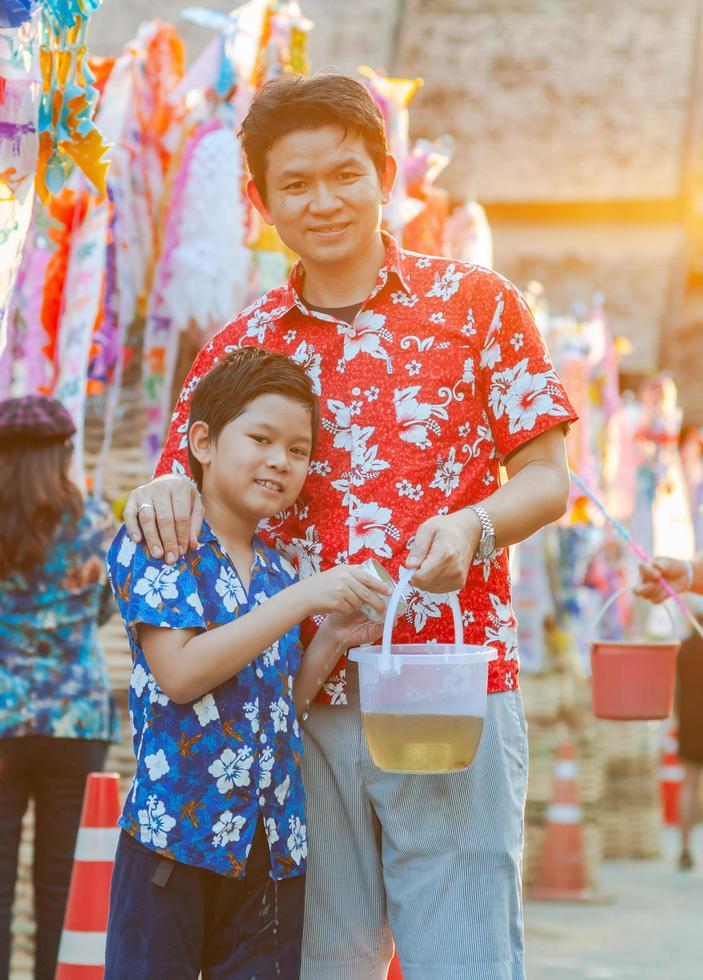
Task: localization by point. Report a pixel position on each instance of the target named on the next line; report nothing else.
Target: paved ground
(652, 930)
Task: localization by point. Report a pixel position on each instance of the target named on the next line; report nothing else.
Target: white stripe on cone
(97, 843)
(566, 769)
(564, 813)
(671, 774)
(82, 948)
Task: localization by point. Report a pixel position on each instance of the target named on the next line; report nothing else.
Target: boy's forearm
(318, 661)
(212, 657)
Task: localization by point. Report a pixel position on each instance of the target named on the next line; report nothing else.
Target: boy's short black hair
(292, 102)
(235, 381)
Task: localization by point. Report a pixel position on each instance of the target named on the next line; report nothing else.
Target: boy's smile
(259, 461)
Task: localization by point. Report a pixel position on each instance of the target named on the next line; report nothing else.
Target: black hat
(34, 420)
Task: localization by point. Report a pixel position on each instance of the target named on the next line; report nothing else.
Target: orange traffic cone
(82, 949)
(562, 871)
(671, 778)
(394, 971)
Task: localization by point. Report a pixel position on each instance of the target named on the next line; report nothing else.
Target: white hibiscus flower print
(335, 691)
(528, 399)
(155, 823)
(271, 830)
(366, 336)
(503, 627)
(421, 607)
(266, 761)
(311, 362)
(232, 769)
(194, 600)
(157, 765)
(138, 680)
(206, 710)
(251, 713)
(279, 712)
(297, 841)
(305, 552)
(446, 286)
(126, 552)
(231, 589)
(227, 828)
(271, 655)
(341, 426)
(447, 474)
(261, 321)
(156, 695)
(281, 791)
(491, 354)
(416, 419)
(501, 385)
(369, 525)
(157, 584)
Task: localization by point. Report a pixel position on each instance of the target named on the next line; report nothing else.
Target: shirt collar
(262, 557)
(396, 264)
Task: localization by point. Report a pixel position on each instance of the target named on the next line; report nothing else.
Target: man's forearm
(535, 496)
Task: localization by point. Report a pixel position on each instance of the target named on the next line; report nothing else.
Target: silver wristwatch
(487, 541)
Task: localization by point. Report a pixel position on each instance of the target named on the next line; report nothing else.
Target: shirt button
(262, 800)
(262, 738)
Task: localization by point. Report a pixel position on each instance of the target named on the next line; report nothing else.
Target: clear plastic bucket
(422, 704)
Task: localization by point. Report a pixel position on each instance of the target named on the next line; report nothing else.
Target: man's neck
(334, 286)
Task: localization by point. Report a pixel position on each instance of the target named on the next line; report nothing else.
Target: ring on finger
(141, 507)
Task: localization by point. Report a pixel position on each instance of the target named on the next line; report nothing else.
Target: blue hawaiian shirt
(53, 677)
(208, 770)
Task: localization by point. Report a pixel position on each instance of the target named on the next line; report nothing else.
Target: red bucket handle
(613, 598)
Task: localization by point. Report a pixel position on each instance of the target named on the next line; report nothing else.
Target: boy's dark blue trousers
(173, 921)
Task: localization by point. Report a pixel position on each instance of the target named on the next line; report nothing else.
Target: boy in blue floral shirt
(209, 873)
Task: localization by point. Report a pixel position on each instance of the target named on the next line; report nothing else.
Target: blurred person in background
(57, 715)
(684, 576)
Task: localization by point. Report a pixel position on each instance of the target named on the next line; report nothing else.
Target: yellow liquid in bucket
(422, 743)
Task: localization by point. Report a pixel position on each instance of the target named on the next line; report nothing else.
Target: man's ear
(390, 172)
(258, 201)
(200, 442)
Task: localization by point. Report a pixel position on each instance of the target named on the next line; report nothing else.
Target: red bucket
(632, 681)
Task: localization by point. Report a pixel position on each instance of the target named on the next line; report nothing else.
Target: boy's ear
(199, 442)
(258, 201)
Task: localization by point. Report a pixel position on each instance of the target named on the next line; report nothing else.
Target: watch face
(488, 545)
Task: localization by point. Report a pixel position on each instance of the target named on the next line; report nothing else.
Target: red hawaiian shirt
(442, 374)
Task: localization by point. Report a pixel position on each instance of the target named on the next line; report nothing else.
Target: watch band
(487, 530)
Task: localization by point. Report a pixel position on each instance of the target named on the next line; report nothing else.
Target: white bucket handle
(404, 576)
(613, 598)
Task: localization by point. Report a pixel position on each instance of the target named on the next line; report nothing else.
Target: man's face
(324, 195)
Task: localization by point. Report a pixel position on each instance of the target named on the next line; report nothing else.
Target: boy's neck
(351, 282)
(234, 531)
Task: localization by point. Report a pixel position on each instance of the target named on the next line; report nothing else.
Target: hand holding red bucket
(632, 680)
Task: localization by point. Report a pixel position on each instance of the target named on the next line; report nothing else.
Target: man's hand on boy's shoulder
(168, 513)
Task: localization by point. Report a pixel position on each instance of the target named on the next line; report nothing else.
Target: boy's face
(324, 195)
(259, 462)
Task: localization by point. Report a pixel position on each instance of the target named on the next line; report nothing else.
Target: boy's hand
(353, 630)
(344, 589)
(169, 513)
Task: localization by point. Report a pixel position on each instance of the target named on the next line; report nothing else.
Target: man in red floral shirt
(430, 374)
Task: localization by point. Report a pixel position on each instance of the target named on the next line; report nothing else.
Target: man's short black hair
(292, 102)
(236, 380)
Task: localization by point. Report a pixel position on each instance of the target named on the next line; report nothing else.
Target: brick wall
(555, 99)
